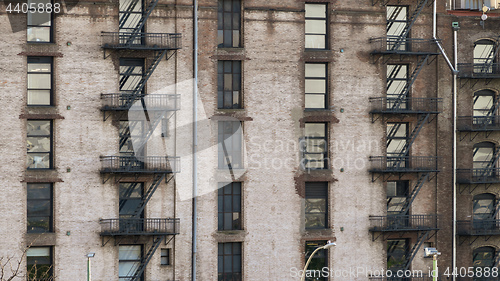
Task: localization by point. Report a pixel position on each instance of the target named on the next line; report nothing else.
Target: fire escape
(142, 115)
(399, 106)
(487, 174)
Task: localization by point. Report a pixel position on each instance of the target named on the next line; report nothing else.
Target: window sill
(41, 239)
(321, 233)
(224, 236)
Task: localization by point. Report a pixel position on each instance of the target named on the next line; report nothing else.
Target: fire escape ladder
(422, 236)
(147, 74)
(142, 21)
(411, 139)
(421, 180)
(149, 193)
(140, 270)
(411, 21)
(413, 76)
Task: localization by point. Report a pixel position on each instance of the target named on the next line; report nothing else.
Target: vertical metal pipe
(434, 15)
(195, 137)
(454, 166)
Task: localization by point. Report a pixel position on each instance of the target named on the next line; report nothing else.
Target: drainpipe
(454, 166)
(195, 137)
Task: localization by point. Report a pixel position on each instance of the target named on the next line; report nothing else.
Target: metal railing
(478, 123)
(140, 164)
(138, 226)
(389, 44)
(405, 105)
(478, 227)
(156, 41)
(478, 175)
(479, 70)
(403, 163)
(403, 222)
(126, 101)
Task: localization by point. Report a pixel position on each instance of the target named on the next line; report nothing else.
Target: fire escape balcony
(140, 164)
(385, 105)
(403, 164)
(141, 41)
(478, 176)
(478, 227)
(478, 123)
(155, 102)
(403, 223)
(404, 46)
(139, 226)
(479, 70)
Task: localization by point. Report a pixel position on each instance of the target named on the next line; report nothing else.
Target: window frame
(167, 254)
(325, 79)
(304, 147)
(30, 265)
(321, 254)
(323, 194)
(140, 260)
(221, 92)
(406, 249)
(46, 60)
(400, 185)
(327, 26)
(222, 149)
(221, 208)
(135, 63)
(51, 26)
(221, 256)
(390, 80)
(51, 208)
(51, 138)
(220, 22)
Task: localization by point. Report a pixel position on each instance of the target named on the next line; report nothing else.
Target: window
(39, 80)
(484, 158)
(229, 206)
(482, 258)
(130, 15)
(39, 144)
(39, 207)
(397, 82)
(229, 24)
(315, 146)
(129, 260)
(397, 24)
(485, 107)
(316, 212)
(230, 137)
(229, 262)
(131, 194)
(39, 24)
(165, 256)
(131, 72)
(315, 85)
(39, 263)
(318, 262)
(229, 84)
(484, 211)
(397, 254)
(316, 28)
(397, 140)
(129, 132)
(397, 196)
(484, 56)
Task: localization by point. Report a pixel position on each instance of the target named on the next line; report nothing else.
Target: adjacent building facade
(227, 140)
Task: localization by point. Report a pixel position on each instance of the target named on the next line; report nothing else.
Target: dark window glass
(165, 256)
(39, 80)
(318, 262)
(229, 24)
(483, 257)
(39, 24)
(316, 26)
(131, 72)
(229, 84)
(229, 262)
(315, 146)
(131, 195)
(397, 22)
(229, 206)
(39, 144)
(397, 196)
(230, 137)
(39, 207)
(315, 85)
(316, 212)
(39, 263)
(397, 253)
(129, 260)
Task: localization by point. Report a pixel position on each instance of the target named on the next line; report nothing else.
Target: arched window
(483, 257)
(485, 108)
(484, 56)
(484, 210)
(484, 160)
